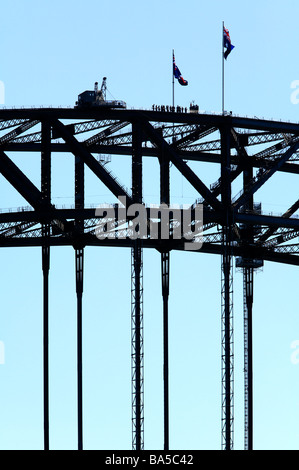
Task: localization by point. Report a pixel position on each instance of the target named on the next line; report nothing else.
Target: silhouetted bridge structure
(249, 151)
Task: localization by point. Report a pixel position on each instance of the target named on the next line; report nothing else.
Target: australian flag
(227, 43)
(177, 74)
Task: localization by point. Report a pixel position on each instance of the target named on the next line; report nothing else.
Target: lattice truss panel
(267, 147)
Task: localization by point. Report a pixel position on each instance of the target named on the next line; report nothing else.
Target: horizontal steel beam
(213, 120)
(209, 216)
(206, 157)
(171, 245)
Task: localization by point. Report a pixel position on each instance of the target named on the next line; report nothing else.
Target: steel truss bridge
(234, 225)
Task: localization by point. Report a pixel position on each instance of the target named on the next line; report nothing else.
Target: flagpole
(222, 52)
(172, 93)
(172, 79)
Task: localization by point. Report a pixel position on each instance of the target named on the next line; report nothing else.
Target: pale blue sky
(51, 52)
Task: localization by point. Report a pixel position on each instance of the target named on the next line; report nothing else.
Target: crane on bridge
(101, 94)
(96, 97)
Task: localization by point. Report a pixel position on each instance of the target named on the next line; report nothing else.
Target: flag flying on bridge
(177, 74)
(227, 42)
